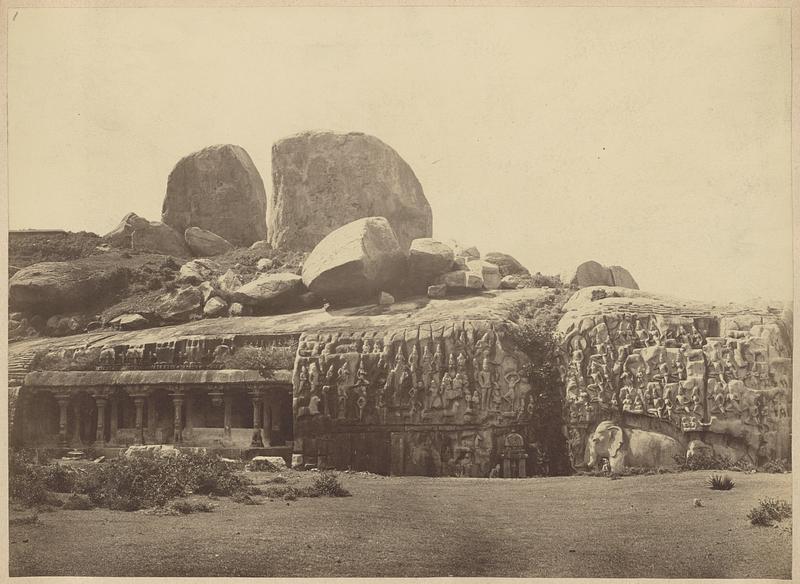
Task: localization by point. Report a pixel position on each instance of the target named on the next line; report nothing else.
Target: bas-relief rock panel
(443, 392)
(734, 388)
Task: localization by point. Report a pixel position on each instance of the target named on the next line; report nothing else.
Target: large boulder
(509, 266)
(270, 291)
(622, 277)
(120, 236)
(592, 273)
(428, 258)
(220, 190)
(160, 238)
(51, 287)
(355, 262)
(324, 180)
(203, 243)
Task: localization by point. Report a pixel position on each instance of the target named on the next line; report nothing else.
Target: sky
(653, 138)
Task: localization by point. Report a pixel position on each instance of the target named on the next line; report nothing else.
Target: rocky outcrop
(120, 236)
(203, 243)
(679, 368)
(220, 190)
(592, 273)
(270, 291)
(323, 180)
(159, 238)
(355, 262)
(508, 265)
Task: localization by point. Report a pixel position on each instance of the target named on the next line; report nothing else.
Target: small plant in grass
(769, 510)
(78, 502)
(720, 482)
(245, 499)
(327, 485)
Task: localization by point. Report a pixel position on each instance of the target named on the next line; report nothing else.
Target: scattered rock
(181, 305)
(160, 238)
(207, 290)
(355, 262)
(437, 291)
(261, 246)
(460, 281)
(428, 258)
(238, 309)
(217, 189)
(265, 264)
(508, 265)
(509, 283)
(464, 251)
(215, 307)
(159, 450)
(229, 283)
(323, 181)
(269, 291)
(204, 243)
(275, 461)
(384, 299)
(488, 271)
(129, 322)
(196, 271)
(697, 502)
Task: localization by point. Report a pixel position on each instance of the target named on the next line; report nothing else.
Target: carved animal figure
(631, 447)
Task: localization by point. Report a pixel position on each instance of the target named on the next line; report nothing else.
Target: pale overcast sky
(657, 139)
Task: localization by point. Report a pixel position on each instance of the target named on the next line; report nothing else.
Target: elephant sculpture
(631, 447)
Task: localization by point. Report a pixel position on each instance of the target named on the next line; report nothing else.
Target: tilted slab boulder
(509, 266)
(204, 243)
(428, 258)
(270, 290)
(324, 180)
(218, 189)
(355, 262)
(159, 238)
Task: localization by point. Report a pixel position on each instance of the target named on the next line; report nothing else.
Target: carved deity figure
(427, 366)
(485, 382)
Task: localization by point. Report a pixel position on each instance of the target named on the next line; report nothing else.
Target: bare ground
(644, 526)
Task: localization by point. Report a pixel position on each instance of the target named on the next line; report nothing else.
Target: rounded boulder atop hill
(324, 180)
(355, 262)
(220, 190)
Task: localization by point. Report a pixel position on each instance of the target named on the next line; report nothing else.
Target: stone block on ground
(488, 271)
(270, 290)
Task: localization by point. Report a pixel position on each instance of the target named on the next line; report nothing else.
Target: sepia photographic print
(399, 291)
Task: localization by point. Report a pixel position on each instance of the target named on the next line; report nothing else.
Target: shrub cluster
(32, 484)
(325, 485)
(777, 466)
(769, 510)
(702, 461)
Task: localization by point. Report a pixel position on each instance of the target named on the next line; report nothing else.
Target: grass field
(642, 526)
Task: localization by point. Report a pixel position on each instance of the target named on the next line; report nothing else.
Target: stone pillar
(226, 424)
(138, 400)
(114, 419)
(100, 400)
(151, 413)
(257, 397)
(76, 407)
(63, 404)
(177, 404)
(269, 412)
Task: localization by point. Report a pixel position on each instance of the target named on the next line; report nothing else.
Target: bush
(261, 466)
(78, 503)
(720, 482)
(245, 499)
(278, 480)
(769, 510)
(703, 461)
(142, 481)
(187, 507)
(327, 485)
(29, 483)
(776, 466)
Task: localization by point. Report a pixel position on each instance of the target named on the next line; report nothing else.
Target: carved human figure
(435, 393)
(438, 360)
(427, 366)
(451, 365)
(485, 382)
(313, 375)
(313, 404)
(462, 363)
(459, 384)
(696, 338)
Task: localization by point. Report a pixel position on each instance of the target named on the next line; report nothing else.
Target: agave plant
(720, 482)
